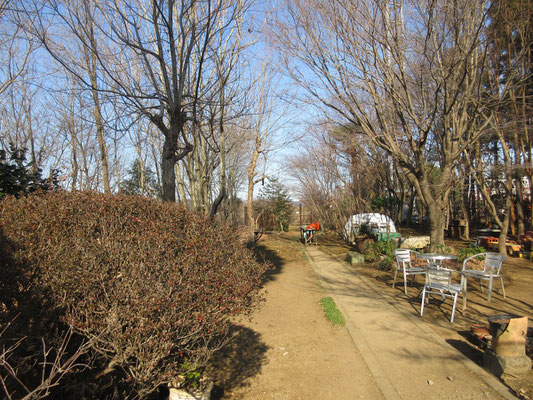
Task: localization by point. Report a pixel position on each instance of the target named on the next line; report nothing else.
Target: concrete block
(415, 242)
(355, 257)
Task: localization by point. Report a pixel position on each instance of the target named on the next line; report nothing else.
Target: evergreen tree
(279, 204)
(18, 177)
(139, 183)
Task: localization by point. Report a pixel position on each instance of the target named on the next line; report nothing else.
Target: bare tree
(171, 43)
(405, 73)
(510, 85)
(75, 44)
(499, 171)
(15, 45)
(268, 115)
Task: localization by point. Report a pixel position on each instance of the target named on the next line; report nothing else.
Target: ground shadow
(475, 353)
(271, 257)
(467, 348)
(241, 358)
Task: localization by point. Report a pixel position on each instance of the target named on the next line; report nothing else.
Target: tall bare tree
(16, 45)
(73, 40)
(263, 124)
(405, 73)
(510, 85)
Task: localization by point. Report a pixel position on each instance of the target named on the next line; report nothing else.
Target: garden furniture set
(439, 279)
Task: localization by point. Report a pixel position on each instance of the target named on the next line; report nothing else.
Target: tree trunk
(91, 63)
(168, 176)
(222, 192)
(466, 213)
(101, 143)
(512, 219)
(437, 219)
(249, 206)
(520, 216)
(251, 183)
(504, 226)
(181, 185)
(74, 157)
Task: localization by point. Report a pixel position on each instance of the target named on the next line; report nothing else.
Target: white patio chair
(439, 281)
(491, 269)
(404, 266)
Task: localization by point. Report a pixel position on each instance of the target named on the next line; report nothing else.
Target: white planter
(180, 394)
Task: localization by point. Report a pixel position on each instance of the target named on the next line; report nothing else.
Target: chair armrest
(465, 261)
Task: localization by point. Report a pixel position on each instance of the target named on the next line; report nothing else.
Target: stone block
(355, 257)
(514, 367)
(415, 242)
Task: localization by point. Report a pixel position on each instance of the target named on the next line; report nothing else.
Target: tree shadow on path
(242, 358)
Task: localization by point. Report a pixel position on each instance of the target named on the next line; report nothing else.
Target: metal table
(436, 259)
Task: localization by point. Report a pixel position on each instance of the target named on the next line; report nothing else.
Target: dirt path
(288, 350)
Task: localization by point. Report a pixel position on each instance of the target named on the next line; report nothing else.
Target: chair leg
(454, 304)
(464, 294)
(490, 289)
(422, 303)
(405, 282)
(481, 285)
(503, 288)
(394, 279)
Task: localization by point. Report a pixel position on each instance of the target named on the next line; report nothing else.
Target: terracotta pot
(508, 335)
(480, 331)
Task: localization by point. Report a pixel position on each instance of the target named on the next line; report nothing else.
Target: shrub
(382, 251)
(471, 250)
(151, 284)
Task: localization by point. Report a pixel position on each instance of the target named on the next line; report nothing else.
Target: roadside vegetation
(332, 312)
(109, 296)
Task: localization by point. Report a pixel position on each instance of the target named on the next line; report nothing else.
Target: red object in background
(315, 226)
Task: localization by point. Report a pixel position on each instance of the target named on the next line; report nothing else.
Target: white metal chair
(439, 281)
(404, 266)
(491, 269)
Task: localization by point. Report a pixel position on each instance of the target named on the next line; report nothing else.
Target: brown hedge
(153, 284)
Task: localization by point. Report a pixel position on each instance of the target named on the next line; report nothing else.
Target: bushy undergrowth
(151, 284)
(382, 252)
(471, 250)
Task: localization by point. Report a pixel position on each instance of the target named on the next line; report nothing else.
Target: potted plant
(364, 237)
(189, 386)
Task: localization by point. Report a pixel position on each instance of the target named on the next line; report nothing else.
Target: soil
(289, 350)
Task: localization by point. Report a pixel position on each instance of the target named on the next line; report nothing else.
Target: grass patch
(306, 257)
(332, 312)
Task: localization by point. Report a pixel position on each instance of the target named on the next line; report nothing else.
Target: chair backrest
(439, 276)
(403, 257)
(494, 261)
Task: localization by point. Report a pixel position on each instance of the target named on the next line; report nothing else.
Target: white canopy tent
(376, 223)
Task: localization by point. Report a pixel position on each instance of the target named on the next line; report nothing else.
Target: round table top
(437, 256)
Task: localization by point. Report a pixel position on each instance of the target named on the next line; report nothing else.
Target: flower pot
(191, 394)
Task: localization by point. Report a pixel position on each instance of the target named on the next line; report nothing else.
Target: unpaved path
(288, 350)
(292, 350)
